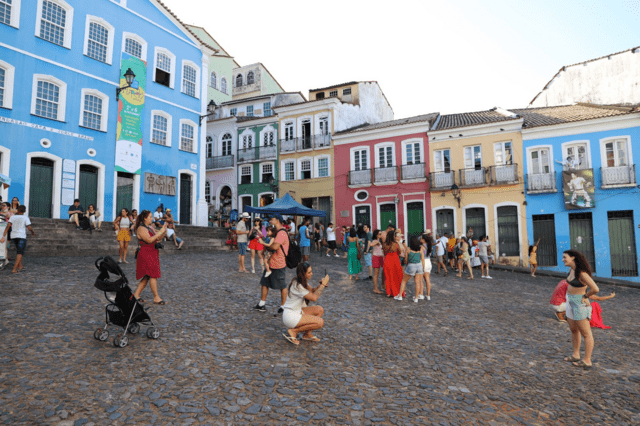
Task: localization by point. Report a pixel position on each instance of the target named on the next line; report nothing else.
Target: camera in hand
(159, 246)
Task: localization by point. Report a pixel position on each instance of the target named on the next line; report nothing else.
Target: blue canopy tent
(286, 205)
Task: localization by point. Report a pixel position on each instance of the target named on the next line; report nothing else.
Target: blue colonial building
(581, 187)
(66, 134)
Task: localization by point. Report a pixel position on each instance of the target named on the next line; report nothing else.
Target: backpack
(294, 256)
(85, 224)
(457, 251)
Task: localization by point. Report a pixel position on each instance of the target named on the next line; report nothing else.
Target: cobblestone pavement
(480, 352)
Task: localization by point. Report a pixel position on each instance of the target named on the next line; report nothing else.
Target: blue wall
(32, 55)
(606, 200)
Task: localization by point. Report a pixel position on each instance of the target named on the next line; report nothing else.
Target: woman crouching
(297, 316)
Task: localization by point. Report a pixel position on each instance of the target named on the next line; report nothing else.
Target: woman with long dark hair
(414, 268)
(123, 227)
(148, 260)
(377, 258)
(254, 245)
(392, 268)
(297, 316)
(581, 287)
(354, 247)
(15, 203)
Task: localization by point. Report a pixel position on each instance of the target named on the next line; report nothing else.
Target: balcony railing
(385, 174)
(413, 171)
(360, 177)
(623, 175)
(473, 177)
(257, 153)
(541, 182)
(441, 180)
(222, 162)
(306, 143)
(505, 174)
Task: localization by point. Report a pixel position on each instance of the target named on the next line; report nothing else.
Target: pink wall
(380, 194)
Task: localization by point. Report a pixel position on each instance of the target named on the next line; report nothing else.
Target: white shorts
(427, 266)
(291, 318)
(559, 308)
(170, 232)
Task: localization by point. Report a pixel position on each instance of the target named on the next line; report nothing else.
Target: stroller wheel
(134, 328)
(101, 334)
(153, 333)
(120, 341)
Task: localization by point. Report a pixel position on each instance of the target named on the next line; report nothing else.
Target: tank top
(125, 223)
(377, 250)
(413, 257)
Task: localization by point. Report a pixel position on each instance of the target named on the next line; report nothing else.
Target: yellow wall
(353, 99)
(485, 196)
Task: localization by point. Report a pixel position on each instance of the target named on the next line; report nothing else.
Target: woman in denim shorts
(415, 260)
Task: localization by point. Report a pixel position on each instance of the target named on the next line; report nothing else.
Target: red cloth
(148, 261)
(392, 273)
(596, 316)
(559, 295)
(255, 245)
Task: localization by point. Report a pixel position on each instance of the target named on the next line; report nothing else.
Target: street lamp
(128, 76)
(455, 191)
(211, 109)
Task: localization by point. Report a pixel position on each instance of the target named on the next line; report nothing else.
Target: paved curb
(544, 273)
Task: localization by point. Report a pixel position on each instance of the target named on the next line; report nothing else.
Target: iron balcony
(257, 153)
(441, 180)
(539, 183)
(222, 162)
(503, 175)
(385, 174)
(360, 177)
(472, 177)
(621, 175)
(413, 171)
(305, 143)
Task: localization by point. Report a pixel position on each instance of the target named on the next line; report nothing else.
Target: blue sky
(427, 56)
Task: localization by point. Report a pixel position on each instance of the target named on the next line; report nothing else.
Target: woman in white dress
(297, 316)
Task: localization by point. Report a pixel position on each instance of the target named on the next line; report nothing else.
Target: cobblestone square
(480, 352)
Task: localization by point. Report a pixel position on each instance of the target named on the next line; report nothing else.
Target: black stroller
(123, 309)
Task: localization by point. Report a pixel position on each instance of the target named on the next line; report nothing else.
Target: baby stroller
(123, 309)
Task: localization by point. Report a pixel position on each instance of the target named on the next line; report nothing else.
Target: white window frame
(289, 125)
(586, 142)
(213, 74)
(247, 132)
(316, 168)
(222, 140)
(240, 203)
(247, 111)
(209, 147)
(412, 141)
(197, 68)
(318, 119)
(104, 120)
(299, 167)
(169, 126)
(241, 169)
(273, 169)
(195, 135)
(97, 20)
(136, 37)
(352, 155)
(268, 129)
(264, 109)
(15, 14)
(167, 52)
(68, 27)
(9, 77)
(531, 149)
(232, 110)
(224, 88)
(473, 158)
(62, 104)
(603, 150)
(283, 170)
(435, 162)
(385, 145)
(500, 145)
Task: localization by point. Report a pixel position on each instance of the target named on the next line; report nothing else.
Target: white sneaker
(398, 297)
(267, 274)
(488, 277)
(421, 297)
(253, 271)
(484, 276)
(328, 255)
(415, 300)
(428, 297)
(337, 255)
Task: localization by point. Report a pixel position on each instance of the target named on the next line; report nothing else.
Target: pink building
(381, 175)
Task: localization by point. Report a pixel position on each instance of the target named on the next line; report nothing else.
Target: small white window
(239, 80)
(226, 144)
(249, 110)
(54, 23)
(7, 73)
(267, 139)
(289, 170)
(233, 112)
(187, 139)
(616, 153)
(209, 152)
(245, 175)
(266, 109)
(333, 93)
(190, 79)
(94, 113)
(164, 68)
(267, 172)
(213, 80)
(49, 97)
(250, 78)
(247, 141)
(322, 167)
(288, 131)
(503, 153)
(385, 156)
(134, 45)
(442, 159)
(473, 157)
(323, 125)
(576, 155)
(346, 92)
(10, 12)
(223, 85)
(305, 169)
(98, 39)
(360, 159)
(540, 161)
(161, 128)
(412, 153)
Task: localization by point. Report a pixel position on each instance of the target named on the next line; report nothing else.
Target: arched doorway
(88, 188)
(226, 198)
(41, 188)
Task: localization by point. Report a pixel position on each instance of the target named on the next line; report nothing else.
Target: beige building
(477, 182)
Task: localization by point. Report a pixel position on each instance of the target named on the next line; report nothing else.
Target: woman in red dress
(254, 244)
(148, 261)
(392, 268)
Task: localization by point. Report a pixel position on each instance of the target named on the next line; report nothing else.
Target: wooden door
(444, 222)
(185, 199)
(544, 229)
(41, 188)
(581, 234)
(88, 188)
(387, 215)
(622, 244)
(415, 219)
(124, 192)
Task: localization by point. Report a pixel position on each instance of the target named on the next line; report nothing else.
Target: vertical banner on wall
(578, 189)
(130, 105)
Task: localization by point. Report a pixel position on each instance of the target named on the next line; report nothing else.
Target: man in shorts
(331, 240)
(441, 245)
(18, 225)
(450, 245)
(483, 254)
(242, 233)
(277, 264)
(75, 213)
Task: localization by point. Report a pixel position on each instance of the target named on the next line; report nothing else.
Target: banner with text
(130, 105)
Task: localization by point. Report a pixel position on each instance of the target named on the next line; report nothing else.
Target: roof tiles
(549, 116)
(465, 119)
(430, 118)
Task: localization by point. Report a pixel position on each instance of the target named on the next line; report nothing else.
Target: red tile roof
(466, 119)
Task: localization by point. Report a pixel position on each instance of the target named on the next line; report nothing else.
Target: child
(533, 258)
(18, 225)
(269, 239)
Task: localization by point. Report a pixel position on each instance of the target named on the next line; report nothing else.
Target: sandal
(291, 339)
(140, 300)
(572, 359)
(582, 365)
(162, 302)
(311, 339)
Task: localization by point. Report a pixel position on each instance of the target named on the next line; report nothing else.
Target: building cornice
(383, 133)
(309, 106)
(498, 128)
(581, 127)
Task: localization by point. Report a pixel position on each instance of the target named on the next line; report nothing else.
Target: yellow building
(306, 159)
(477, 182)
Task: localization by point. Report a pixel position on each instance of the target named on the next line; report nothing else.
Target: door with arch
(444, 221)
(88, 186)
(415, 219)
(41, 188)
(388, 215)
(186, 189)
